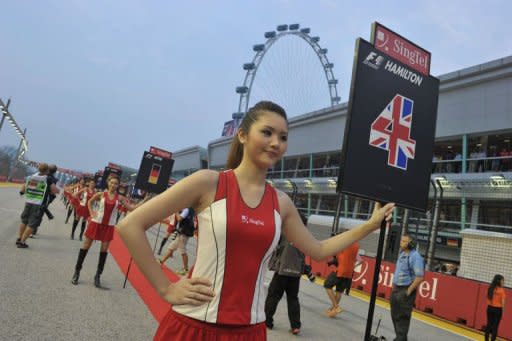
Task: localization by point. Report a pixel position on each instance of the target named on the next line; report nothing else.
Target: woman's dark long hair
(496, 282)
(237, 149)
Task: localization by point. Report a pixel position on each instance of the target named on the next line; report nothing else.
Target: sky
(101, 81)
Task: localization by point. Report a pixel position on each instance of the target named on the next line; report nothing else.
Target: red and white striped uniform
(74, 199)
(235, 243)
(171, 223)
(122, 208)
(106, 212)
(101, 227)
(82, 210)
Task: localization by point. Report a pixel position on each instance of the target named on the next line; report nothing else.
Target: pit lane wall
(452, 298)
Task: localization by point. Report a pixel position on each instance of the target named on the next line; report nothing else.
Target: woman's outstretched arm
(299, 235)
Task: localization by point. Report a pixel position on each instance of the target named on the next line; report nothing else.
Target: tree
(8, 162)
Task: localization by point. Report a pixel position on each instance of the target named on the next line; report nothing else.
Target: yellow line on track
(9, 185)
(434, 321)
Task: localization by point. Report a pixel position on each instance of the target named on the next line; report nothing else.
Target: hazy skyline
(95, 81)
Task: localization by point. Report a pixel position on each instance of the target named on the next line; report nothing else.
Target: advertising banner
(401, 49)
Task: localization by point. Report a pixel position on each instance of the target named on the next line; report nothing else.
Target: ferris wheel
(290, 75)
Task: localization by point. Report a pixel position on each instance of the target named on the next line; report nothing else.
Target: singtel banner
(403, 50)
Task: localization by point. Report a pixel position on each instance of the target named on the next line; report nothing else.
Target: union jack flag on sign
(391, 131)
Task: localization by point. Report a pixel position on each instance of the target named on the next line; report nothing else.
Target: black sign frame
(106, 172)
(364, 172)
(152, 161)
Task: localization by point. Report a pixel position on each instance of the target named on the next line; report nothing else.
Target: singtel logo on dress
(248, 220)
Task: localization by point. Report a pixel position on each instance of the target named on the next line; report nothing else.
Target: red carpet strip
(156, 305)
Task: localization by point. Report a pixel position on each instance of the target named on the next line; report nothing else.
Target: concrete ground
(38, 302)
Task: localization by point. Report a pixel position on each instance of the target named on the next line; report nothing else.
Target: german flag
(452, 242)
(154, 174)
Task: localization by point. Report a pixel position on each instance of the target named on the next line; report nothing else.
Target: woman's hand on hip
(191, 291)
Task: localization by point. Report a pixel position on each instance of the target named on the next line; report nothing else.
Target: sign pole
(127, 272)
(375, 283)
(157, 235)
(336, 221)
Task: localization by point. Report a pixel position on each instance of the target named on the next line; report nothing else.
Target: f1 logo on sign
(391, 131)
(374, 60)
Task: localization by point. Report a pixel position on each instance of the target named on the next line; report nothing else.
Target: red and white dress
(121, 208)
(101, 227)
(82, 210)
(67, 195)
(74, 200)
(234, 245)
(171, 223)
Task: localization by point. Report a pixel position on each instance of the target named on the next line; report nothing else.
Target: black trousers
(493, 322)
(278, 286)
(401, 311)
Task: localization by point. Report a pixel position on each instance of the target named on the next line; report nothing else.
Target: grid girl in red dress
(240, 220)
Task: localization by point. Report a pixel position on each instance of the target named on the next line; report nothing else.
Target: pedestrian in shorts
(36, 190)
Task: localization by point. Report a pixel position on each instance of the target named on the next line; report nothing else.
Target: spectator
(458, 163)
(436, 166)
(442, 220)
(495, 163)
(495, 305)
(473, 162)
(408, 275)
(52, 169)
(36, 190)
(288, 264)
(341, 278)
(185, 230)
(448, 165)
(170, 232)
(482, 155)
(506, 159)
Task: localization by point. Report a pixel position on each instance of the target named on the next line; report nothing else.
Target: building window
(447, 156)
(496, 214)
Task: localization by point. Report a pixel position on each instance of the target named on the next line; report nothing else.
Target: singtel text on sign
(401, 49)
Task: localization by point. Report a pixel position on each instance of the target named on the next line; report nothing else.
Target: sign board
(98, 179)
(172, 181)
(113, 165)
(154, 173)
(231, 127)
(401, 49)
(109, 170)
(390, 130)
(122, 189)
(160, 152)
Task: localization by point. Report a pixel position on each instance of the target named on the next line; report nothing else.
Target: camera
(307, 272)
